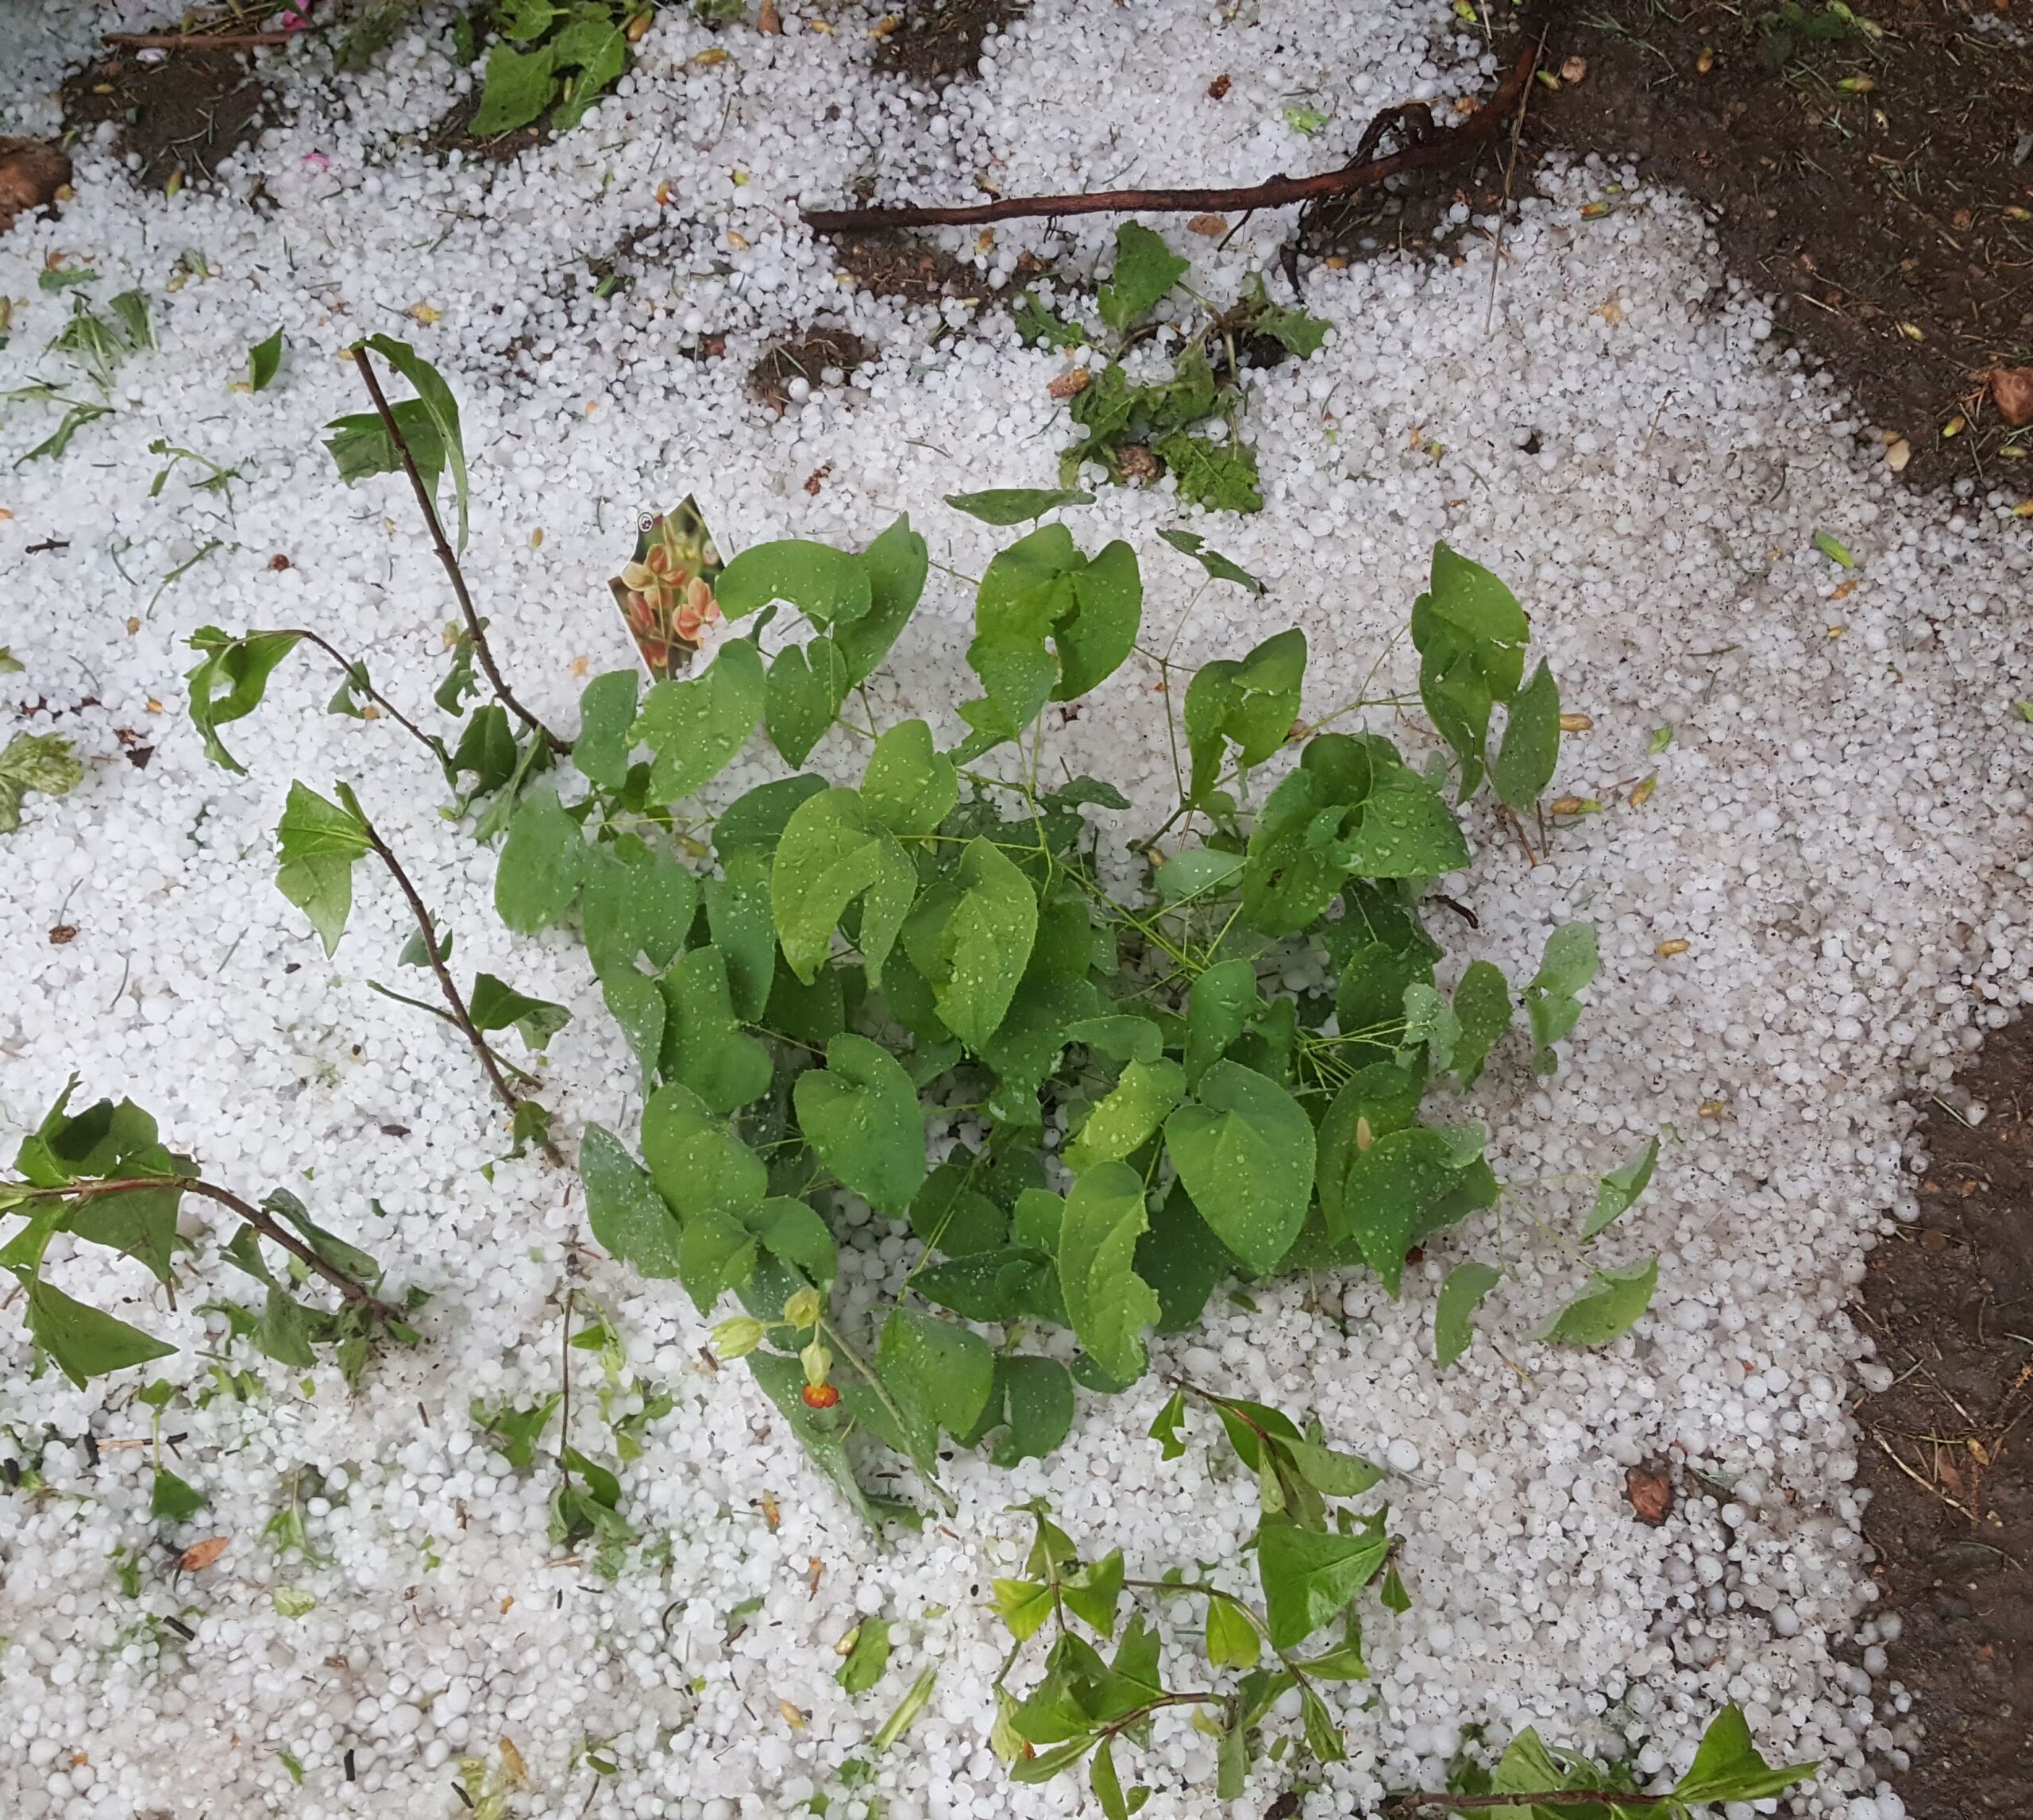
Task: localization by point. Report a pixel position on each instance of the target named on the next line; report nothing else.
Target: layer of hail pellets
(1838, 836)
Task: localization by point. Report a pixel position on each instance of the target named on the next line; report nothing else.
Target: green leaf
(1328, 1470)
(986, 945)
(1108, 596)
(1727, 1766)
(1124, 1119)
(1017, 505)
(1323, 1737)
(291, 1601)
(1251, 702)
(950, 1216)
(807, 684)
(637, 903)
(1293, 330)
(1221, 477)
(44, 762)
(1092, 1594)
(264, 361)
(738, 915)
(704, 1046)
(593, 48)
(1025, 1606)
(230, 679)
(1394, 1189)
(543, 863)
(1232, 1639)
(140, 1223)
(1145, 269)
(1453, 1318)
(1483, 1010)
(860, 1114)
(1102, 1778)
(1218, 1010)
(1109, 1304)
(1615, 1191)
(1833, 548)
(318, 841)
(359, 444)
(486, 749)
(909, 786)
(832, 852)
(171, 1500)
(607, 720)
(1216, 565)
(1245, 1152)
(1470, 635)
(1308, 1577)
(1608, 1307)
(517, 87)
(830, 586)
(515, 1431)
(1037, 1395)
(897, 563)
(1524, 764)
(84, 1342)
(754, 820)
(1569, 964)
(699, 1166)
(1198, 871)
(442, 409)
(867, 1658)
(942, 1371)
(493, 1005)
(696, 727)
(1182, 1260)
(1037, 326)
(626, 1214)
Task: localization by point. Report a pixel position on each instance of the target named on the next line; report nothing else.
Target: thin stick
(460, 1016)
(262, 1223)
(355, 674)
(200, 40)
(1433, 154)
(481, 649)
(1510, 170)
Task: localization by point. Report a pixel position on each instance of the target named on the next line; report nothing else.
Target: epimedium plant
(1211, 1056)
(944, 942)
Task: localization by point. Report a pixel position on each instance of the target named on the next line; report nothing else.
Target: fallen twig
(200, 40)
(1434, 154)
(262, 1222)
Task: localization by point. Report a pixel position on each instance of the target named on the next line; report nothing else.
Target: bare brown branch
(1438, 152)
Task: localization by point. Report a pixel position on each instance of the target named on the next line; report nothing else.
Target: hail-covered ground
(1812, 920)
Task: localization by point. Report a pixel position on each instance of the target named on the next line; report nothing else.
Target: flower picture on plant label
(665, 592)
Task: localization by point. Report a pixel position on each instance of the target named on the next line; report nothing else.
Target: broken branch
(1436, 153)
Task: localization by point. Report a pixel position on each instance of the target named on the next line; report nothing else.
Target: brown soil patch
(905, 265)
(769, 379)
(1947, 1453)
(941, 40)
(184, 115)
(1877, 184)
(31, 173)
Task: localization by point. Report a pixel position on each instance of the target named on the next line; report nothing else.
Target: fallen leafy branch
(1433, 151)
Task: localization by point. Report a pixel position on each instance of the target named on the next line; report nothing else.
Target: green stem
(840, 1344)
